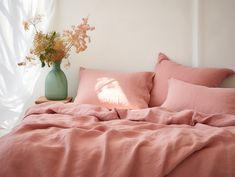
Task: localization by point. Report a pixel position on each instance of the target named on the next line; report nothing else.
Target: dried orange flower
(26, 25)
(50, 47)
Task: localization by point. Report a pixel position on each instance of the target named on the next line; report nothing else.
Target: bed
(130, 140)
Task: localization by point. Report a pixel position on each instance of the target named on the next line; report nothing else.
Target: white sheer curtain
(17, 83)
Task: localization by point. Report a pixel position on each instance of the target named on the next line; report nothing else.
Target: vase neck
(56, 65)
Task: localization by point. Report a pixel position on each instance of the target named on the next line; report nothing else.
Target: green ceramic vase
(56, 85)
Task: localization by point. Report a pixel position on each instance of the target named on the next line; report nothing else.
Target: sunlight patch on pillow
(109, 91)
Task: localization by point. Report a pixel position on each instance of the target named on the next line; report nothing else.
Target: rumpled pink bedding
(70, 140)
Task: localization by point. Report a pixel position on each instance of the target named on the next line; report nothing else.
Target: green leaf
(42, 58)
(42, 63)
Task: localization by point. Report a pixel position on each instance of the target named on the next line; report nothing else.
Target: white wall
(217, 37)
(217, 33)
(130, 33)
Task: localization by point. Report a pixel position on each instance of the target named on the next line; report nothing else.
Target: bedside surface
(43, 99)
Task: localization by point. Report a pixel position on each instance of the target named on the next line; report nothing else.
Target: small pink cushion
(165, 69)
(183, 95)
(114, 89)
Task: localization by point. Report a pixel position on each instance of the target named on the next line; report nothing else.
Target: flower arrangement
(52, 46)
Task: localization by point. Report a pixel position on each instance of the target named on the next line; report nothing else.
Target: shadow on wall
(229, 82)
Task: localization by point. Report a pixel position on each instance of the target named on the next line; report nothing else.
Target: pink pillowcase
(114, 89)
(165, 69)
(183, 95)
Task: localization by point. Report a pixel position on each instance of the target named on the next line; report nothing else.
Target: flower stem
(68, 48)
(35, 27)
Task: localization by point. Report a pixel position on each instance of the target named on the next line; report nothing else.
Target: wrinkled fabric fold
(59, 140)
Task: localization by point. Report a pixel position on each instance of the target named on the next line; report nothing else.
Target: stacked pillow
(114, 89)
(182, 95)
(174, 86)
(166, 69)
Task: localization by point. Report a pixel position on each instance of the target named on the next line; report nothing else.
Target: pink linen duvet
(70, 140)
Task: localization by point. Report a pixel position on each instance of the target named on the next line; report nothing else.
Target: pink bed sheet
(70, 140)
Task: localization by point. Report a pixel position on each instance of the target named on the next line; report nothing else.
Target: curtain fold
(17, 83)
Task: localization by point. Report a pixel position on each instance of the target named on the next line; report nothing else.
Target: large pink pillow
(114, 89)
(165, 69)
(182, 95)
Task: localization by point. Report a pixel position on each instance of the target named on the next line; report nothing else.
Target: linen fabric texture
(182, 95)
(114, 89)
(165, 69)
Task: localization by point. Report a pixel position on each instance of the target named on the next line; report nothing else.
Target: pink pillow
(165, 69)
(182, 95)
(114, 89)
